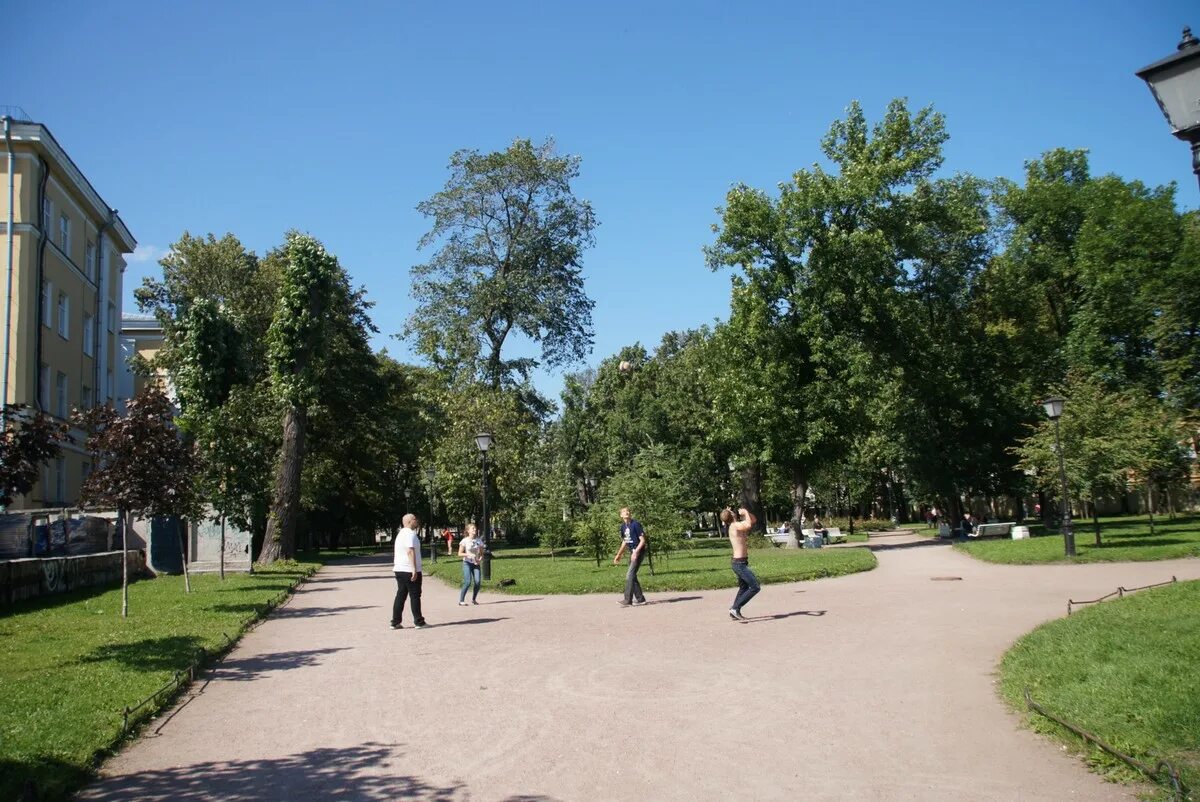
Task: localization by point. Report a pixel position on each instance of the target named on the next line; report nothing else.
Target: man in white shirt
(407, 565)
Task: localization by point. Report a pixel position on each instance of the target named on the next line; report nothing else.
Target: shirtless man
(747, 583)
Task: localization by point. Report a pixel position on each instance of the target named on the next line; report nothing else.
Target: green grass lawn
(1125, 670)
(704, 566)
(69, 664)
(1122, 539)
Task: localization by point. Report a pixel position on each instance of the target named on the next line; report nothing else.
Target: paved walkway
(873, 686)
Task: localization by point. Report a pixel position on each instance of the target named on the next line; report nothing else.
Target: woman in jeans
(470, 548)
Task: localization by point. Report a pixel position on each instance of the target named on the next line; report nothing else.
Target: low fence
(57, 532)
(33, 577)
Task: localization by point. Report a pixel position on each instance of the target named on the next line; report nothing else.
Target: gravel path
(873, 686)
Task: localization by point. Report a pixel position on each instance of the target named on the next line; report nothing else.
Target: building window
(90, 267)
(109, 383)
(47, 304)
(64, 316)
(89, 335)
(60, 479)
(44, 387)
(60, 395)
(64, 233)
(47, 215)
(112, 317)
(85, 398)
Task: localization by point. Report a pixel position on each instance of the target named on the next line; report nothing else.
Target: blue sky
(254, 118)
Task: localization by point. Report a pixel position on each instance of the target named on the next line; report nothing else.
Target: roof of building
(24, 131)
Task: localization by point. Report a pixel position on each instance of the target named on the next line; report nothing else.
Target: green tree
(653, 489)
(143, 466)
(511, 237)
(295, 341)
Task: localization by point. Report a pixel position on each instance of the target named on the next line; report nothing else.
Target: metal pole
(487, 529)
(1068, 530)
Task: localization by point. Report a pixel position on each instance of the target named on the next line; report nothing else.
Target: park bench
(993, 530)
(833, 534)
(787, 539)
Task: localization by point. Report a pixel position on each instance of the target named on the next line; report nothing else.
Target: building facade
(63, 259)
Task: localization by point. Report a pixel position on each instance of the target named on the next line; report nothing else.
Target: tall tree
(511, 237)
(297, 335)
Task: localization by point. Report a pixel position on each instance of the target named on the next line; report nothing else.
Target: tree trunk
(183, 559)
(1096, 518)
(1150, 506)
(751, 499)
(799, 494)
(280, 542)
(124, 562)
(222, 567)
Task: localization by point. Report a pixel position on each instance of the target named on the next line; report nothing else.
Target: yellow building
(60, 293)
(142, 336)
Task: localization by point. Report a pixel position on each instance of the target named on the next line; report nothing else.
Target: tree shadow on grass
(39, 776)
(241, 669)
(1143, 542)
(153, 654)
(371, 771)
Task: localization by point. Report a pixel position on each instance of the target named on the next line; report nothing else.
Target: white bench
(833, 534)
(993, 530)
(786, 539)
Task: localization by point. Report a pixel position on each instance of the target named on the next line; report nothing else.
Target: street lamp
(1054, 409)
(484, 441)
(1175, 83)
(430, 475)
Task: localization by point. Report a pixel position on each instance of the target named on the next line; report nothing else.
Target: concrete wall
(44, 576)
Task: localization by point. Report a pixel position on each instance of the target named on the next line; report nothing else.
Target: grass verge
(705, 566)
(1122, 539)
(69, 664)
(1124, 670)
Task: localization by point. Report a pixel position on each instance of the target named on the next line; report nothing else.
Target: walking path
(873, 686)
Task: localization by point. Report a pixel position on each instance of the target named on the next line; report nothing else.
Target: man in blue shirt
(633, 540)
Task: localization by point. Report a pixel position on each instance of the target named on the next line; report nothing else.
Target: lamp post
(1054, 409)
(484, 441)
(1175, 83)
(430, 475)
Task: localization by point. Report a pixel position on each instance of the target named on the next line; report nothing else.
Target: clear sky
(337, 119)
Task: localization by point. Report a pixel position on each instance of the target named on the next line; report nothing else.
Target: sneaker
(462, 604)
(474, 602)
(735, 615)
(396, 625)
(641, 603)
(623, 603)
(420, 625)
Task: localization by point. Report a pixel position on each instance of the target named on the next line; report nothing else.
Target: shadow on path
(371, 771)
(466, 621)
(513, 601)
(777, 616)
(677, 599)
(248, 668)
(916, 544)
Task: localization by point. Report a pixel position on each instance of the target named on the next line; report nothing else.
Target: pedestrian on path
(633, 540)
(470, 548)
(748, 585)
(406, 563)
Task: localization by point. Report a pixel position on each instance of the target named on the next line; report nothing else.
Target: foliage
(511, 236)
(30, 439)
(141, 464)
(70, 666)
(652, 488)
(1124, 670)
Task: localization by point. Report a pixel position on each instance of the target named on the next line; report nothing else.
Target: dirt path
(872, 686)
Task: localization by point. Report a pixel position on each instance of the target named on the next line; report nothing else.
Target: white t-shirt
(473, 546)
(407, 539)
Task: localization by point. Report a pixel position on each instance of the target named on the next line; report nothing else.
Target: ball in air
(625, 367)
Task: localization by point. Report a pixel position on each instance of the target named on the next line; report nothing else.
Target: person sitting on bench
(819, 528)
(967, 527)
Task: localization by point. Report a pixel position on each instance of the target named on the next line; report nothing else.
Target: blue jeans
(633, 588)
(748, 586)
(470, 575)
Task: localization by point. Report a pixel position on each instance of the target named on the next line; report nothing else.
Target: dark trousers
(633, 588)
(407, 588)
(748, 586)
